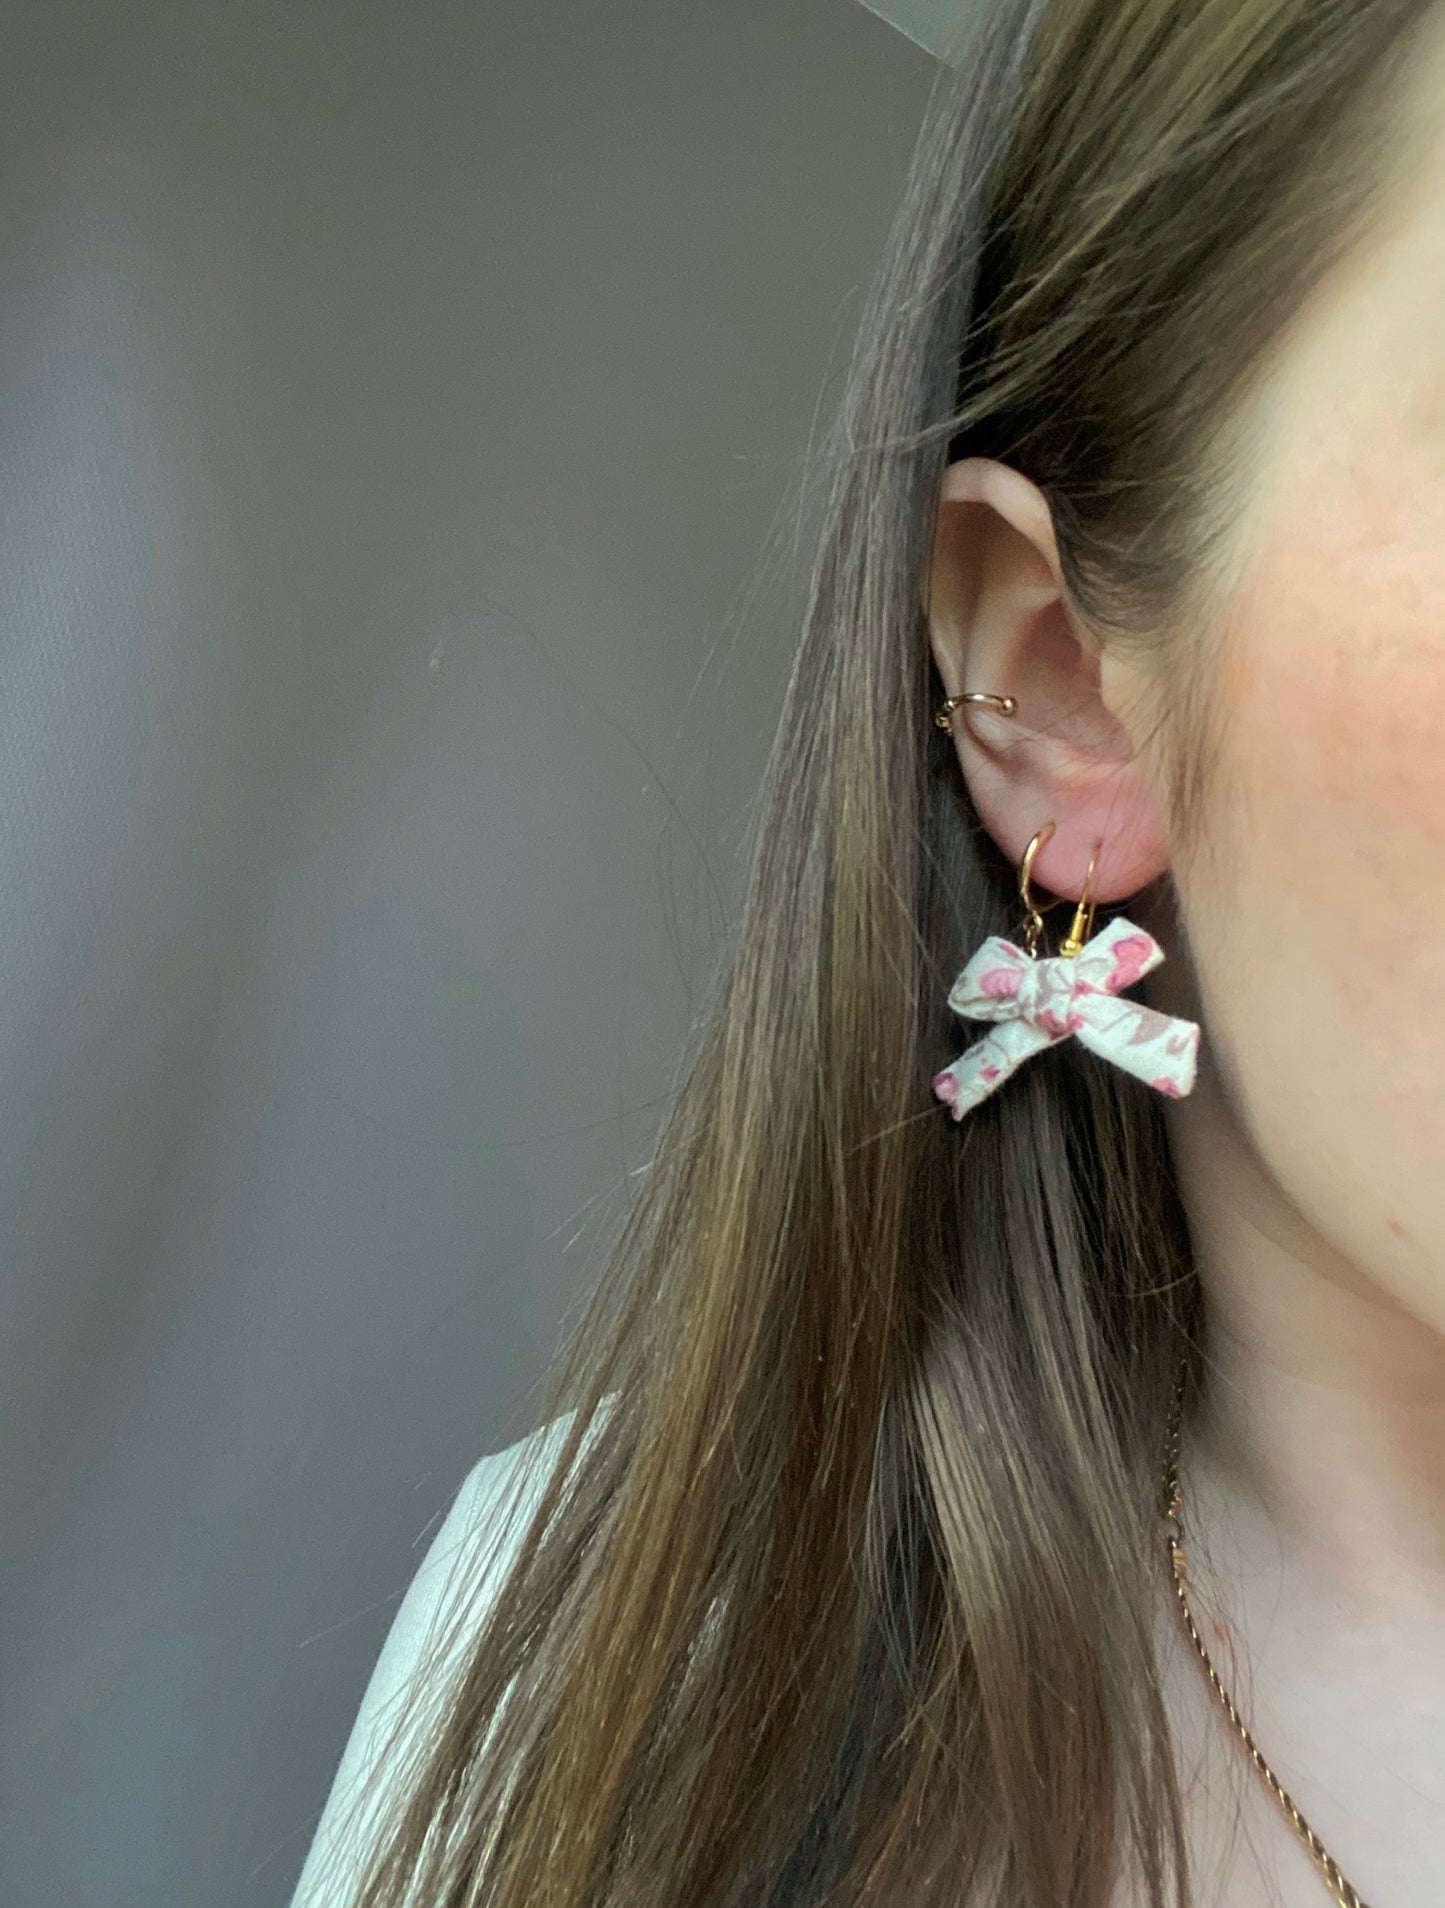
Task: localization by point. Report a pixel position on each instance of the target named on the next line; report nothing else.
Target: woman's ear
(999, 620)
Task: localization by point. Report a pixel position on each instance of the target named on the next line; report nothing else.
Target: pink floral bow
(1041, 1001)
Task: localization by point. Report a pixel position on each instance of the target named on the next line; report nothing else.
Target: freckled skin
(1317, 927)
(1310, 945)
(1311, 1155)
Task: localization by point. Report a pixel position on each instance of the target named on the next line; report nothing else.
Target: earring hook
(1081, 925)
(1034, 921)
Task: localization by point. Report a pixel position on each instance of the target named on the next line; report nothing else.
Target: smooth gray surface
(397, 404)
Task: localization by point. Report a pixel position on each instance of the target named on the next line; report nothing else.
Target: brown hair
(843, 1587)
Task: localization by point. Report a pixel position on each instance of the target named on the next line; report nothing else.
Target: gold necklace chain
(1172, 1504)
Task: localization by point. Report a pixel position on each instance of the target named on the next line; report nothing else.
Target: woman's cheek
(1316, 936)
(1336, 715)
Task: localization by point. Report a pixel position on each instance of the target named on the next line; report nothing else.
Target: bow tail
(988, 1063)
(1158, 1049)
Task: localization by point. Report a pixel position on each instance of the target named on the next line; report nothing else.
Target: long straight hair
(841, 1584)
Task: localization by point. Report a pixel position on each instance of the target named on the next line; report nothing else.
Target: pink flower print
(1130, 952)
(1050, 1000)
(1000, 982)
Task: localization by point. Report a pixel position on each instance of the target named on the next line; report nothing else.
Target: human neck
(1321, 1426)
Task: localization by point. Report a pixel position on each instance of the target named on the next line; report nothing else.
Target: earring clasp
(1082, 924)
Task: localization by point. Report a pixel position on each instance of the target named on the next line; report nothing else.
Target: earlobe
(999, 620)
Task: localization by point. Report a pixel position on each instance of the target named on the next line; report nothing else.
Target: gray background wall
(401, 408)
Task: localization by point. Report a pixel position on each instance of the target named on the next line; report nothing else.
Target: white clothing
(464, 1566)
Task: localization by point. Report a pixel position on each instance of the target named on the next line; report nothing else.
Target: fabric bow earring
(1037, 1002)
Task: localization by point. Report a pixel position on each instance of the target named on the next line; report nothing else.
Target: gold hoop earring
(1033, 913)
(943, 714)
(1076, 993)
(1082, 924)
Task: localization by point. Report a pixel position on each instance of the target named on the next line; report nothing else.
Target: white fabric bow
(1040, 1001)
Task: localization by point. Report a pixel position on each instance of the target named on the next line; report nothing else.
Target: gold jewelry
(1172, 1498)
(1172, 1503)
(943, 714)
(1345, 1894)
(1082, 924)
